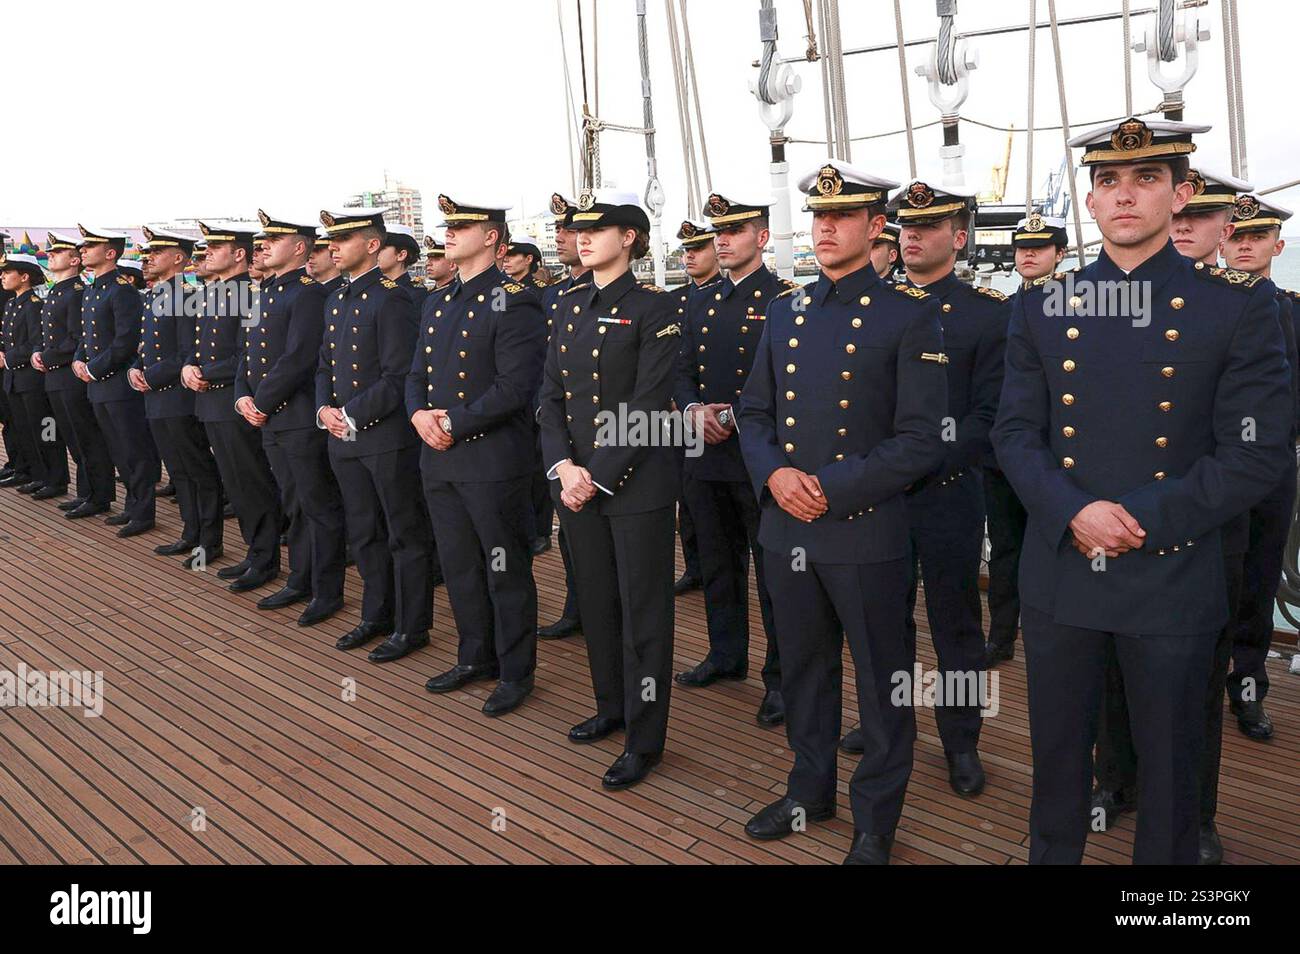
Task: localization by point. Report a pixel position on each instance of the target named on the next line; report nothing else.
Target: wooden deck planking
(211, 703)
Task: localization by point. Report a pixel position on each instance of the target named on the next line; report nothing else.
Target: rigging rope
(683, 120)
(945, 45)
(1233, 152)
(824, 63)
(1029, 141)
(767, 10)
(976, 122)
(570, 114)
(1065, 129)
(1237, 91)
(1128, 61)
(902, 82)
(1168, 49)
(695, 95)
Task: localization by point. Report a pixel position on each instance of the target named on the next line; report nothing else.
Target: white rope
(1237, 90)
(683, 119)
(1065, 130)
(839, 98)
(570, 114)
(695, 95)
(824, 63)
(1128, 62)
(1029, 141)
(902, 82)
(977, 122)
(1233, 152)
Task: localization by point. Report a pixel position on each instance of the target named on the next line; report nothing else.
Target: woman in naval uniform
(607, 384)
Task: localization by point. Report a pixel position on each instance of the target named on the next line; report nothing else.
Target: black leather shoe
(965, 773)
(5, 472)
(319, 610)
(252, 579)
(772, 709)
(594, 729)
(707, 673)
(559, 629)
(507, 697)
(995, 653)
(852, 741)
(398, 645)
(362, 633)
(628, 769)
(869, 849)
(216, 553)
(458, 676)
(286, 596)
(540, 545)
(166, 490)
(86, 510)
(30, 487)
(780, 818)
(49, 493)
(1211, 852)
(1252, 720)
(134, 528)
(1112, 804)
(685, 583)
(72, 504)
(15, 480)
(234, 571)
(171, 549)
(118, 519)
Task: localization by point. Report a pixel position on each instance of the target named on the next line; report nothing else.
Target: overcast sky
(158, 111)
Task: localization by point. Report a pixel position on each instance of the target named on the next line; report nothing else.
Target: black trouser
(543, 507)
(133, 452)
(13, 444)
(485, 530)
(816, 607)
(1165, 680)
(947, 531)
(1270, 523)
(309, 498)
(1006, 528)
(725, 515)
(571, 608)
(76, 418)
(250, 487)
(388, 531)
(624, 572)
(1116, 765)
(49, 451)
(183, 443)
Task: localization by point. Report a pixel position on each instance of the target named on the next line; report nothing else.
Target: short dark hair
(117, 245)
(961, 220)
(371, 231)
(1178, 167)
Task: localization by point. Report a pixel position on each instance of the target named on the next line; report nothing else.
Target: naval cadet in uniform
(370, 332)
(275, 392)
(399, 255)
(167, 331)
(73, 415)
(885, 254)
(947, 509)
(1197, 232)
(1131, 439)
(229, 306)
(110, 314)
(469, 396)
(566, 249)
(1254, 243)
(321, 267)
(20, 339)
(609, 368)
(438, 269)
(841, 413)
(719, 341)
(1039, 242)
(523, 263)
(700, 262)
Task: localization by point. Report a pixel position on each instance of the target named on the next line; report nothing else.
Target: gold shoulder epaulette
(388, 283)
(123, 281)
(1293, 295)
(789, 290)
(513, 288)
(789, 283)
(306, 279)
(1228, 276)
(77, 286)
(911, 291)
(990, 293)
(651, 287)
